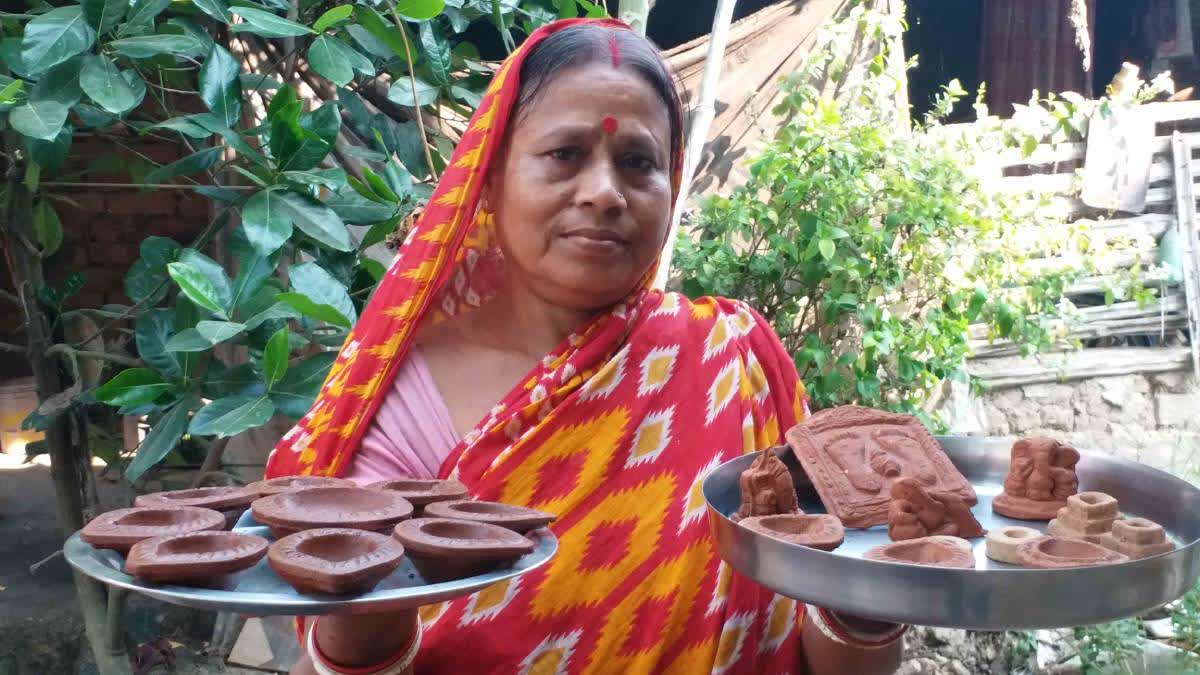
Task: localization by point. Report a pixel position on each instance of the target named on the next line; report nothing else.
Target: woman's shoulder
(711, 318)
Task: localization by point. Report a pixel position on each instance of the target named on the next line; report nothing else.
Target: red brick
(151, 202)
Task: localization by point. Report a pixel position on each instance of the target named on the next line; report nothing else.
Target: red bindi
(609, 124)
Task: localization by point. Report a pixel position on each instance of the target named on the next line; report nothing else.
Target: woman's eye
(639, 162)
(565, 154)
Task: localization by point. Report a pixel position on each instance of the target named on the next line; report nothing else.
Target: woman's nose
(600, 186)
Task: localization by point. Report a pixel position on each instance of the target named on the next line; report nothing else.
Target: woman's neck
(516, 320)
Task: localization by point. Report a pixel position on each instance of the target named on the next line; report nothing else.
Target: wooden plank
(1153, 224)
(1173, 304)
(1077, 365)
(1172, 111)
(1043, 154)
(1040, 183)
(1185, 221)
(1121, 260)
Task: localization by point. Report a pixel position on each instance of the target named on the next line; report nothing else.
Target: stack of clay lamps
(231, 500)
(121, 529)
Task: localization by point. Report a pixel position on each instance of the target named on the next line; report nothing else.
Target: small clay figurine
(1140, 538)
(1088, 516)
(915, 512)
(767, 488)
(1040, 478)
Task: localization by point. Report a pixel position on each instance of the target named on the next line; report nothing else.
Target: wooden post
(1185, 219)
(701, 120)
(636, 13)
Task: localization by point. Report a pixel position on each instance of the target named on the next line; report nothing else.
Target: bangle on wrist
(835, 629)
(393, 665)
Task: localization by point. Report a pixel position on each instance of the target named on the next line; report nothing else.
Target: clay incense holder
(231, 500)
(1088, 516)
(334, 560)
(121, 529)
(1055, 553)
(1001, 543)
(422, 492)
(519, 519)
(443, 550)
(821, 531)
(194, 559)
(1141, 538)
(935, 551)
(351, 507)
(276, 486)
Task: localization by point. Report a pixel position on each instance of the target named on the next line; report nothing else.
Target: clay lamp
(121, 529)
(519, 519)
(230, 500)
(334, 560)
(934, 551)
(275, 486)
(422, 492)
(821, 531)
(351, 507)
(1002, 542)
(1053, 553)
(443, 550)
(195, 558)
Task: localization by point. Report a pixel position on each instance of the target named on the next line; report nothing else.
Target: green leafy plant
(1108, 644)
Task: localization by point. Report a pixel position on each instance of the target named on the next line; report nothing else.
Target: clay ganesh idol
(767, 488)
(915, 512)
(1040, 479)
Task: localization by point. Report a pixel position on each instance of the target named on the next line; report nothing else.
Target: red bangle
(839, 631)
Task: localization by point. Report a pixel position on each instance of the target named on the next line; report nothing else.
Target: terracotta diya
(1053, 553)
(1041, 476)
(820, 530)
(195, 558)
(351, 507)
(334, 560)
(275, 486)
(121, 529)
(422, 492)
(519, 519)
(935, 551)
(853, 455)
(443, 549)
(230, 500)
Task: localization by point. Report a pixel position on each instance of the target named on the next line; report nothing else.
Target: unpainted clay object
(276, 486)
(767, 488)
(230, 500)
(121, 529)
(519, 519)
(1088, 516)
(915, 512)
(443, 549)
(422, 492)
(335, 560)
(194, 559)
(820, 530)
(1041, 476)
(934, 551)
(1054, 553)
(1141, 538)
(352, 507)
(853, 455)
(1002, 542)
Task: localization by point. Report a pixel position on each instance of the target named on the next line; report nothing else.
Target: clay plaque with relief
(853, 455)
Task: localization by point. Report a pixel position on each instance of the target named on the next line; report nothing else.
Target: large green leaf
(314, 310)
(210, 269)
(183, 125)
(254, 269)
(419, 10)
(196, 287)
(275, 357)
(279, 310)
(437, 53)
(267, 24)
(11, 91)
(329, 57)
(333, 16)
(325, 122)
(39, 119)
(266, 224)
(141, 16)
(220, 87)
(369, 43)
(322, 288)
(317, 221)
(59, 84)
(103, 15)
(162, 439)
(204, 336)
(223, 382)
(194, 163)
(401, 92)
(294, 394)
(54, 37)
(132, 387)
(188, 340)
(231, 416)
(159, 251)
(146, 46)
(154, 328)
(217, 9)
(51, 154)
(380, 29)
(102, 81)
(48, 228)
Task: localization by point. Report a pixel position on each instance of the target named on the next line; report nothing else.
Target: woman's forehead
(586, 95)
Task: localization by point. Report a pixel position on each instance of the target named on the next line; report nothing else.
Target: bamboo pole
(701, 121)
(636, 13)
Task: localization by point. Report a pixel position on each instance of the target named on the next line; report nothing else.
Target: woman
(531, 267)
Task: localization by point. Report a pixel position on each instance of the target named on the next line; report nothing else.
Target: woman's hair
(586, 44)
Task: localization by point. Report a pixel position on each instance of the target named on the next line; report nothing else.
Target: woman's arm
(837, 643)
(359, 641)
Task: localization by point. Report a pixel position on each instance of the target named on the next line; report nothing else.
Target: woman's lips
(596, 241)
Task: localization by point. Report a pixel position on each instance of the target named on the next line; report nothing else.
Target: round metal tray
(258, 591)
(993, 596)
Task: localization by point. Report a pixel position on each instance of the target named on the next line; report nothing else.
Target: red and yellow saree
(613, 432)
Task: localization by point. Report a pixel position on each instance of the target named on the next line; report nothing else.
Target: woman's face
(582, 204)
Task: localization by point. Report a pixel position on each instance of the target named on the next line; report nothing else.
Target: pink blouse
(412, 432)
